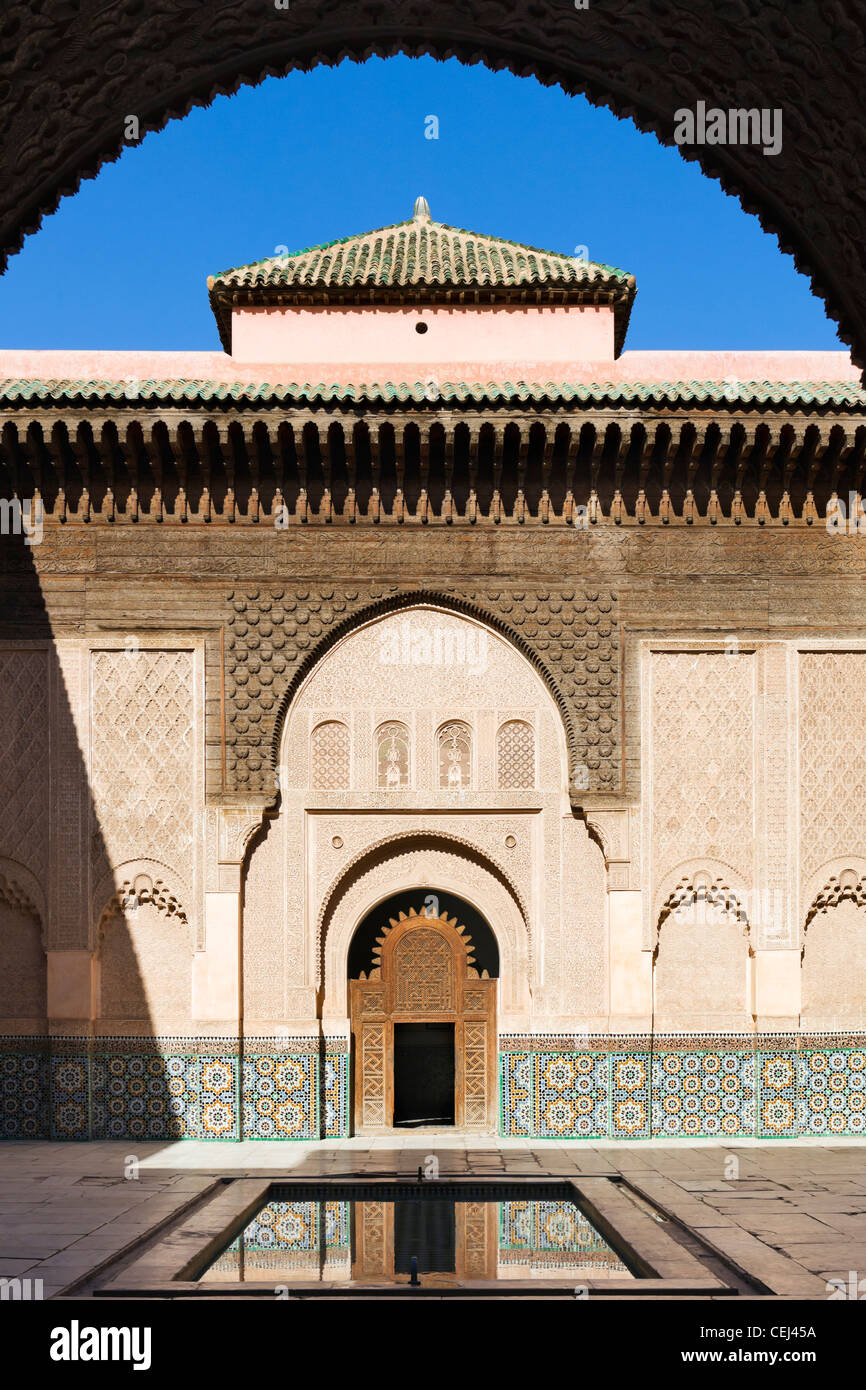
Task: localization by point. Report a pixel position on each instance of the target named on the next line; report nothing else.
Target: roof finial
(421, 211)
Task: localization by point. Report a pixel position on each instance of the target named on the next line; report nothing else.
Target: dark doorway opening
(427, 1230)
(423, 1074)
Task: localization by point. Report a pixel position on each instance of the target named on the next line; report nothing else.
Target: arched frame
(435, 603)
(69, 80)
(425, 974)
(421, 864)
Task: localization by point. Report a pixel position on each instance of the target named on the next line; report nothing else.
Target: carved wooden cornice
(434, 467)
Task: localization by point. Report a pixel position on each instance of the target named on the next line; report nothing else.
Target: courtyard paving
(790, 1216)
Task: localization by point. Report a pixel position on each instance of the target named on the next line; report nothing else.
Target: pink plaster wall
(646, 365)
(389, 334)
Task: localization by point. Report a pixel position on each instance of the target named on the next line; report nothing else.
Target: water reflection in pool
(371, 1235)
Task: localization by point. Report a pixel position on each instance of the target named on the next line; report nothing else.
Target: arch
(702, 894)
(433, 600)
(143, 948)
(836, 880)
(455, 750)
(141, 880)
(424, 974)
(23, 982)
(21, 889)
(435, 902)
(703, 943)
(515, 755)
(847, 884)
(330, 756)
(625, 55)
(411, 862)
(833, 954)
(392, 746)
(711, 878)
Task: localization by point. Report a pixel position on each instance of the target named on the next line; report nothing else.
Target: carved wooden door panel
(373, 1244)
(424, 973)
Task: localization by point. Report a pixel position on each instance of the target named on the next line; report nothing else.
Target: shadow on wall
(64, 1075)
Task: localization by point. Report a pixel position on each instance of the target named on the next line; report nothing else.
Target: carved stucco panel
(583, 968)
(418, 868)
(267, 936)
(69, 818)
(145, 773)
(832, 754)
(487, 834)
(699, 766)
(24, 784)
(774, 904)
(274, 633)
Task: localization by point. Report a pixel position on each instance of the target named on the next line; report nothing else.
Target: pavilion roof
(422, 261)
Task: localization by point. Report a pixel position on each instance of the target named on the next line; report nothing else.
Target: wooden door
(424, 974)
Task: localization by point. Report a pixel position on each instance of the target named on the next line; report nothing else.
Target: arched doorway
(423, 1026)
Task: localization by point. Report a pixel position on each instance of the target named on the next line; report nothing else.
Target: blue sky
(315, 156)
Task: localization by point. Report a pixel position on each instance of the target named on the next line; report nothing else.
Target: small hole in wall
(421, 327)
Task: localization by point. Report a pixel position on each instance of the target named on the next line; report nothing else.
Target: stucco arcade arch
(71, 76)
(423, 864)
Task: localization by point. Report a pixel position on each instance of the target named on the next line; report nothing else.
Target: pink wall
(663, 365)
(512, 334)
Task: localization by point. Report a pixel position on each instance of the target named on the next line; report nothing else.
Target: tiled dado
(173, 1088)
(683, 1086)
(616, 1086)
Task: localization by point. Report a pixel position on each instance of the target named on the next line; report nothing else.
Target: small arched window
(455, 756)
(329, 756)
(392, 756)
(515, 755)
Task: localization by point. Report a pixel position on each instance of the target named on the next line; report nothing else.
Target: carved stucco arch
(842, 879)
(168, 892)
(691, 878)
(430, 599)
(423, 863)
(19, 888)
(72, 73)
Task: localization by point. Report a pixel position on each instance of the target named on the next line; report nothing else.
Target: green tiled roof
(803, 395)
(421, 256)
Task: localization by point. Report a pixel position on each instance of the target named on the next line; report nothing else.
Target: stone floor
(791, 1216)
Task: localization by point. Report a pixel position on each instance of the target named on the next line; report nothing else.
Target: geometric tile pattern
(629, 1094)
(555, 1234)
(145, 1097)
(697, 1094)
(777, 1090)
(682, 1086)
(70, 1100)
(172, 1088)
(335, 1096)
(164, 1095)
(298, 1226)
(832, 1091)
(280, 1097)
(570, 1094)
(516, 1094)
(675, 1086)
(24, 1099)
